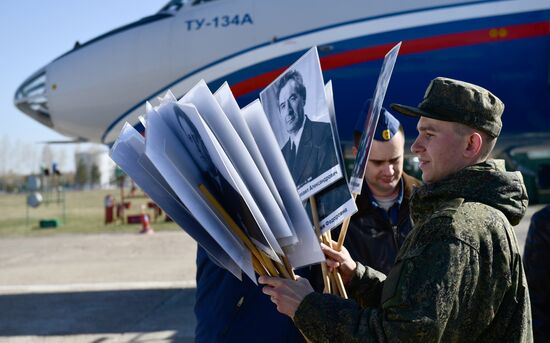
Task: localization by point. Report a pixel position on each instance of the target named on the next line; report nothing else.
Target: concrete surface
(104, 288)
(98, 288)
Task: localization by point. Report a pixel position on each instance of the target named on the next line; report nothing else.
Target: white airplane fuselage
(90, 91)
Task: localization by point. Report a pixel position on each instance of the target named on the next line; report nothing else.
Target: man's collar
(398, 201)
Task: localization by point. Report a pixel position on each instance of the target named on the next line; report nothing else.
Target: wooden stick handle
(343, 233)
(284, 258)
(325, 238)
(268, 264)
(281, 268)
(258, 267)
(326, 279)
(333, 287)
(335, 276)
(315, 215)
(340, 284)
(344, 230)
(317, 226)
(258, 255)
(307, 339)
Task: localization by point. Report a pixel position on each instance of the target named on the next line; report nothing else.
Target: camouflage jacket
(457, 278)
(374, 237)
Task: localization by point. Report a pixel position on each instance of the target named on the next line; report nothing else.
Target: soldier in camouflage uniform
(459, 275)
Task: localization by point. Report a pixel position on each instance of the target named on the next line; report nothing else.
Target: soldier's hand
(341, 260)
(286, 294)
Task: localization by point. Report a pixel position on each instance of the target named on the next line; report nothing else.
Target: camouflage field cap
(461, 102)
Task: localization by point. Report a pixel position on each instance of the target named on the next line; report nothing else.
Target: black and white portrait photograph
(334, 203)
(297, 111)
(371, 120)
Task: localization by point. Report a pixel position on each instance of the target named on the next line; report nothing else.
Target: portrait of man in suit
(309, 150)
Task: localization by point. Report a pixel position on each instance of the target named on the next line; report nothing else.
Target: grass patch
(83, 211)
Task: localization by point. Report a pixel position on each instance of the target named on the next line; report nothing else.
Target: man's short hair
(297, 77)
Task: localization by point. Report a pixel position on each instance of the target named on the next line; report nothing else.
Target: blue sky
(34, 32)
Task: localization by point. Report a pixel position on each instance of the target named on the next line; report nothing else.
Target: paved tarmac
(98, 288)
(104, 288)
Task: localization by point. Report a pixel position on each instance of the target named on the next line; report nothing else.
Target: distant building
(105, 166)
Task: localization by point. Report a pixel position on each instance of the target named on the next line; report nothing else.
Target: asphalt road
(104, 288)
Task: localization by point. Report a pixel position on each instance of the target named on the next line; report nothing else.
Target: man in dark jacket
(458, 276)
(537, 269)
(378, 229)
(230, 310)
(309, 150)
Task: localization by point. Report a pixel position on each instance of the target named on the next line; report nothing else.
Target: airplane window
(198, 2)
(174, 5)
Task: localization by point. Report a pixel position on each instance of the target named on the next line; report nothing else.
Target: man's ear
(475, 141)
(354, 151)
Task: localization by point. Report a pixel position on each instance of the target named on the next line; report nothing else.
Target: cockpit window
(198, 2)
(174, 5)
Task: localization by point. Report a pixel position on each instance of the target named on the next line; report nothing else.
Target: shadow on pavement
(99, 312)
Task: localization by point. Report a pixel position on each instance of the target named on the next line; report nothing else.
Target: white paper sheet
(209, 109)
(255, 165)
(307, 251)
(236, 199)
(129, 148)
(181, 173)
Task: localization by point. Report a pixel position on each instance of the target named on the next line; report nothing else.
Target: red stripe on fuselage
(413, 46)
(491, 35)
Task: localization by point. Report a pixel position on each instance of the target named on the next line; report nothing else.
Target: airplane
(503, 45)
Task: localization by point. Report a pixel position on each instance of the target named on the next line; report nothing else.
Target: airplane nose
(31, 98)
